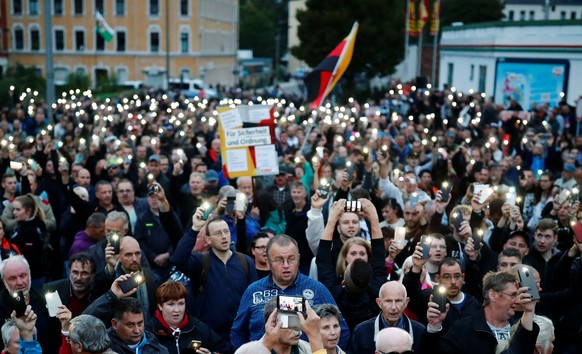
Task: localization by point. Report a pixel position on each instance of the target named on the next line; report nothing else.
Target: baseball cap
(154, 158)
(211, 176)
(570, 168)
(519, 233)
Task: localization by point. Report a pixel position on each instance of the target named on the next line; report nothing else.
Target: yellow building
(203, 39)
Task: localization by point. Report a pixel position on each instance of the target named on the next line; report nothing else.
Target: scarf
(176, 331)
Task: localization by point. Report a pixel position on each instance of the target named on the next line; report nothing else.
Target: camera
(353, 206)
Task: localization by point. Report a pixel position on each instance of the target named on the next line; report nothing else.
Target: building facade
(535, 10)
(202, 37)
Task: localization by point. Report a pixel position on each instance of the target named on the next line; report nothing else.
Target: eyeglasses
(262, 248)
(448, 277)
(281, 261)
(512, 296)
(404, 352)
(221, 232)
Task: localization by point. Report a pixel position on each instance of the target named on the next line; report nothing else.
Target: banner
(423, 15)
(247, 141)
(436, 18)
(412, 22)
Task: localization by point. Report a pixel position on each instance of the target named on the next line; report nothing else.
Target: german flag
(326, 74)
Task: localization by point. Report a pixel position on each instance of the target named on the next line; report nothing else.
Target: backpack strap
(243, 261)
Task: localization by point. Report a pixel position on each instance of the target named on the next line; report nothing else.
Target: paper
(258, 114)
(230, 119)
(266, 159)
(236, 160)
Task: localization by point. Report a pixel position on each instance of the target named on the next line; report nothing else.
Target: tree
(21, 77)
(471, 11)
(260, 22)
(380, 41)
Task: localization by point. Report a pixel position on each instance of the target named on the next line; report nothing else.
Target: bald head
(254, 347)
(393, 339)
(129, 254)
(393, 287)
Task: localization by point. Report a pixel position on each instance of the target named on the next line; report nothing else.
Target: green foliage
(21, 77)
(380, 41)
(471, 11)
(76, 80)
(260, 22)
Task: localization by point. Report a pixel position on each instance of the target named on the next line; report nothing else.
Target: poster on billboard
(531, 81)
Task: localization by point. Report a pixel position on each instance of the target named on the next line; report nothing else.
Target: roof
(542, 2)
(541, 23)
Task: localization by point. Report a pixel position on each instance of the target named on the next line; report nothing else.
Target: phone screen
(291, 303)
(425, 242)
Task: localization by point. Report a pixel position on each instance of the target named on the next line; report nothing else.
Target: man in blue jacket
(285, 279)
(219, 278)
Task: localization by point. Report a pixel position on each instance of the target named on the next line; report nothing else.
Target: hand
(310, 324)
(434, 316)
(465, 230)
(116, 288)
(255, 212)
(336, 211)
(197, 221)
(525, 301)
(272, 329)
(469, 192)
(161, 193)
(440, 205)
(203, 350)
(393, 251)
(317, 202)
(25, 323)
(369, 210)
(417, 261)
(64, 316)
(475, 204)
(470, 249)
(110, 258)
(162, 259)
(574, 207)
(345, 181)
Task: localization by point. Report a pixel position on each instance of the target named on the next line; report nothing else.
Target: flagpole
(419, 63)
(406, 37)
(434, 58)
(339, 60)
(48, 52)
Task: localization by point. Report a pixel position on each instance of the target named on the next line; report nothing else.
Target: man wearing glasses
(485, 329)
(216, 300)
(285, 279)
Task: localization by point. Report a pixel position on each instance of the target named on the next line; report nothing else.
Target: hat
(211, 176)
(283, 170)
(519, 233)
(110, 139)
(155, 158)
(570, 168)
(169, 127)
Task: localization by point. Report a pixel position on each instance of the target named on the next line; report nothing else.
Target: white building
(532, 10)
(532, 61)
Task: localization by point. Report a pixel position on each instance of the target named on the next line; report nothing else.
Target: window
(154, 7)
(563, 15)
(99, 42)
(79, 40)
(184, 45)
(59, 39)
(450, 67)
(34, 39)
(58, 7)
(100, 6)
(78, 7)
(33, 7)
(120, 41)
(522, 15)
(472, 73)
(17, 7)
(19, 39)
(510, 15)
(154, 42)
(573, 15)
(532, 15)
(184, 7)
(120, 7)
(482, 77)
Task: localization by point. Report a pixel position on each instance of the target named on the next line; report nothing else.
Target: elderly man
(15, 272)
(392, 300)
(88, 335)
(283, 255)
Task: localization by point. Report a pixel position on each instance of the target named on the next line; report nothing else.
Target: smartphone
(413, 200)
(230, 200)
(289, 308)
(445, 191)
(207, 210)
(353, 206)
(240, 202)
(113, 240)
(563, 196)
(478, 187)
(131, 283)
(323, 188)
(577, 229)
(511, 198)
(439, 296)
(15, 165)
(526, 278)
(399, 236)
(53, 301)
(477, 236)
(457, 220)
(195, 345)
(156, 188)
(350, 170)
(425, 242)
(18, 303)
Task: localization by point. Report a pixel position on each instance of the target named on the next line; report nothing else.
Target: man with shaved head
(392, 300)
(393, 340)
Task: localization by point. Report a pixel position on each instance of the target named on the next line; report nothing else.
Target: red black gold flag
(436, 18)
(326, 74)
(412, 22)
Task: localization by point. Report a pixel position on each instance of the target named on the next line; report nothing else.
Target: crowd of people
(419, 220)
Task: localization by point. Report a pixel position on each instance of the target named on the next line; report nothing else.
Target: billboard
(530, 81)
